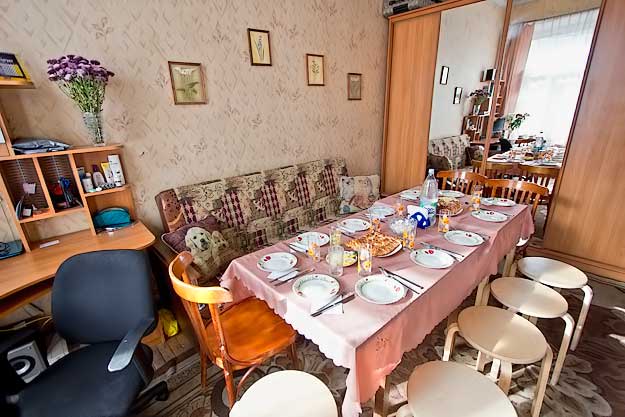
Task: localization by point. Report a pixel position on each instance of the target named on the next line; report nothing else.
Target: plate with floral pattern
(378, 289)
(277, 262)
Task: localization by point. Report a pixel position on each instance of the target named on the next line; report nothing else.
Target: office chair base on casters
(158, 392)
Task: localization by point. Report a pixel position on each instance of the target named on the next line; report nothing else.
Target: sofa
(254, 210)
(451, 148)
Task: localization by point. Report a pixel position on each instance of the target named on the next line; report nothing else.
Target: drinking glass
(409, 234)
(476, 196)
(400, 207)
(365, 260)
(374, 217)
(443, 220)
(335, 259)
(314, 249)
(335, 235)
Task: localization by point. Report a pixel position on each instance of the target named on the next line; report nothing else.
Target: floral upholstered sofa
(452, 148)
(222, 219)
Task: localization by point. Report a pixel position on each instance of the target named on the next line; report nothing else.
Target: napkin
(283, 275)
(337, 309)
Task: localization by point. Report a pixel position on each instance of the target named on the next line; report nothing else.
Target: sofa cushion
(452, 147)
(358, 193)
(212, 248)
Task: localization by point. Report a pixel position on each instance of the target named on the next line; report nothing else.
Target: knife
(346, 232)
(398, 277)
(344, 299)
(292, 278)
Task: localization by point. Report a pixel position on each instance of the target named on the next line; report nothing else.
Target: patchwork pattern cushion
(452, 147)
(358, 193)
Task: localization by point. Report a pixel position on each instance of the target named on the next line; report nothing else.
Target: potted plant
(84, 81)
(515, 120)
(479, 97)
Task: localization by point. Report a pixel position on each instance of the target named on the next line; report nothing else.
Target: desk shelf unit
(45, 169)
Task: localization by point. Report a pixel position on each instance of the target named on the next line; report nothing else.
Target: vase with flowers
(479, 97)
(84, 81)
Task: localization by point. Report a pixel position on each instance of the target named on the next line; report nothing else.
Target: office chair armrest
(126, 349)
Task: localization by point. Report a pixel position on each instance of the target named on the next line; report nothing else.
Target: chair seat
(529, 297)
(454, 390)
(502, 334)
(251, 329)
(286, 394)
(80, 385)
(552, 272)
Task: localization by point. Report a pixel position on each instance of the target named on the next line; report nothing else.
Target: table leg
(509, 261)
(482, 360)
(541, 384)
(450, 341)
(582, 316)
(479, 296)
(380, 408)
(569, 325)
(505, 376)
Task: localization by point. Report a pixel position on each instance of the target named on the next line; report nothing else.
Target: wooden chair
(241, 336)
(522, 192)
(462, 181)
(541, 175)
(494, 170)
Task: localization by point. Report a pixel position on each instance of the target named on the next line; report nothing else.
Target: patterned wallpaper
(256, 117)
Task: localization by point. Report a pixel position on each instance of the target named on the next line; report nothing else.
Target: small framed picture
(444, 75)
(260, 47)
(489, 74)
(354, 86)
(187, 82)
(457, 95)
(10, 66)
(315, 69)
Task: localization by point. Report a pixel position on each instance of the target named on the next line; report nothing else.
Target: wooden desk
(26, 277)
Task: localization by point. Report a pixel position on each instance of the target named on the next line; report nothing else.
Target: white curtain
(553, 74)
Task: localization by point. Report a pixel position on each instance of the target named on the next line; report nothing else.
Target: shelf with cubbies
(45, 170)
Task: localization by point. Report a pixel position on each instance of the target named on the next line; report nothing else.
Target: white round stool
(560, 275)
(534, 299)
(286, 394)
(507, 338)
(453, 390)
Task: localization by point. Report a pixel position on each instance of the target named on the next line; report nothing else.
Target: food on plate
(528, 156)
(449, 203)
(381, 244)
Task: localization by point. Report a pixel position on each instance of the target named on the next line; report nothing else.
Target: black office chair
(101, 299)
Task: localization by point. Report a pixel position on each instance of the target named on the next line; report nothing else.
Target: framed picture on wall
(444, 75)
(457, 95)
(260, 47)
(315, 69)
(354, 86)
(187, 82)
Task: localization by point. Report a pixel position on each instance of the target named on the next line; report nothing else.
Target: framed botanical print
(187, 82)
(315, 69)
(457, 95)
(444, 75)
(260, 47)
(354, 86)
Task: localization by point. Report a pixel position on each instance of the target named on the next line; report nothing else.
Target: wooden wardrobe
(411, 64)
(586, 226)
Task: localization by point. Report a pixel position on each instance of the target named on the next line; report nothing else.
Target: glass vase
(93, 123)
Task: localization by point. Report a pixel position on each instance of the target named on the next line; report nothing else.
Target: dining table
(370, 339)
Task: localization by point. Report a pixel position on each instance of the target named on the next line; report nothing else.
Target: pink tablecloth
(371, 339)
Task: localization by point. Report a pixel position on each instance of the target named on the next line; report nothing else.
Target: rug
(592, 383)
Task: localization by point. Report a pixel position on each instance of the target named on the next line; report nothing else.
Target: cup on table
(314, 249)
(365, 260)
(409, 234)
(374, 219)
(443, 221)
(335, 235)
(476, 196)
(400, 207)
(335, 260)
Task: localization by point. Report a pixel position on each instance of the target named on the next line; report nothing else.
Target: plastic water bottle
(429, 196)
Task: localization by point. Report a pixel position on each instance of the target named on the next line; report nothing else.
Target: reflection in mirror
(468, 41)
(546, 53)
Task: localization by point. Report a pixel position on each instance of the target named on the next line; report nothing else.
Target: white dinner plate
(357, 225)
(322, 238)
(380, 210)
(489, 216)
(316, 287)
(496, 201)
(277, 261)
(464, 238)
(410, 194)
(450, 193)
(431, 258)
(378, 289)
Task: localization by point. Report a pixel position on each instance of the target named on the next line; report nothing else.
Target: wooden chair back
(540, 175)
(498, 170)
(462, 181)
(522, 192)
(192, 295)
